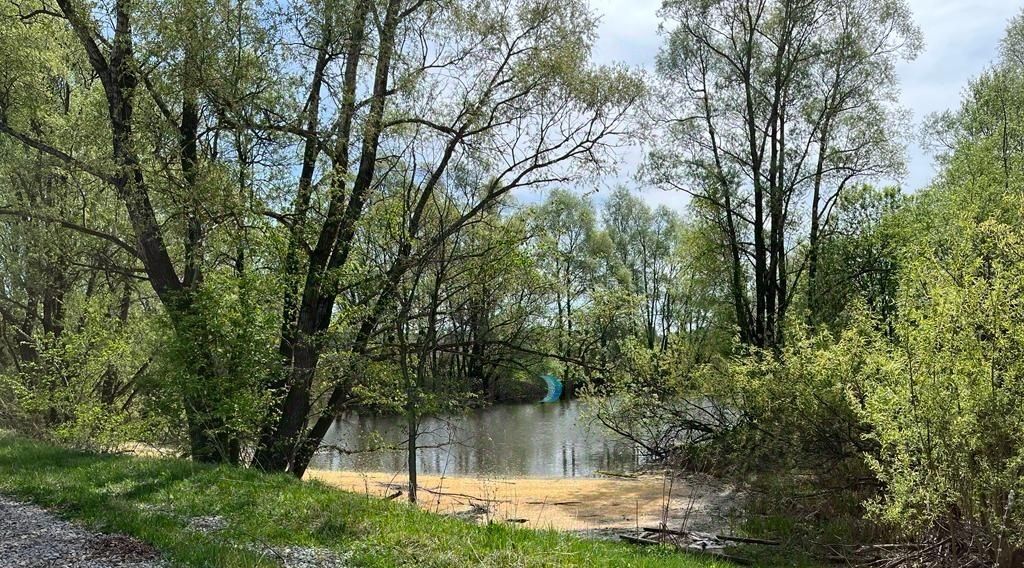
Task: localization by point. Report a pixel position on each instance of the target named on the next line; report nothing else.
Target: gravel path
(33, 537)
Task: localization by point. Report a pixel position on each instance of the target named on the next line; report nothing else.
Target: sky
(961, 38)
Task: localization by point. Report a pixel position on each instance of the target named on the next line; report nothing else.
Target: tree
(145, 74)
(205, 119)
(775, 103)
(861, 256)
(644, 243)
(521, 108)
(571, 252)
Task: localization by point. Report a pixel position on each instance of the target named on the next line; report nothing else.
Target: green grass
(795, 539)
(153, 499)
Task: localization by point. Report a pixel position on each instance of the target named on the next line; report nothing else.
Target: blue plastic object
(554, 388)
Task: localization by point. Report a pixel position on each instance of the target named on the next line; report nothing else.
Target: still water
(545, 440)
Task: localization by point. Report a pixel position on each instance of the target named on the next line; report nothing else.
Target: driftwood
(702, 552)
(616, 474)
(447, 494)
(556, 503)
(742, 539)
(748, 540)
(666, 531)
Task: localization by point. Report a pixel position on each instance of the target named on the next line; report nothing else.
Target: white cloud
(961, 39)
(628, 31)
(675, 200)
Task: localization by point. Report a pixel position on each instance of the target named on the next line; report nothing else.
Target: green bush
(948, 409)
(82, 388)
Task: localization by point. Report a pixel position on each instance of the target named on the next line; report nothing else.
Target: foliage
(860, 257)
(912, 389)
(224, 224)
(947, 413)
(771, 111)
(82, 387)
(946, 407)
(238, 329)
(277, 175)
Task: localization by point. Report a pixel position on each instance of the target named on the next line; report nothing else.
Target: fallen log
(743, 539)
(616, 474)
(748, 540)
(447, 494)
(666, 531)
(556, 503)
(703, 553)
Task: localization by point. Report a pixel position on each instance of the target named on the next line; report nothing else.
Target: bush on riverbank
(908, 427)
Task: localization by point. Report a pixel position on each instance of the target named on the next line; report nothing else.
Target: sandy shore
(572, 504)
(557, 503)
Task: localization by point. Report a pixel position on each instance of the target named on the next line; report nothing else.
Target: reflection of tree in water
(556, 440)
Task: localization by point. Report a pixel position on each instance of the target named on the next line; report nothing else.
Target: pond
(538, 440)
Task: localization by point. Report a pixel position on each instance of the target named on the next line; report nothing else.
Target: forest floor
(196, 515)
(568, 504)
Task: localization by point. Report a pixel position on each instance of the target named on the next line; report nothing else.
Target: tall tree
(776, 103)
(148, 97)
(500, 89)
(644, 242)
(570, 252)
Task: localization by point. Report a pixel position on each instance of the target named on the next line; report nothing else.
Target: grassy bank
(156, 499)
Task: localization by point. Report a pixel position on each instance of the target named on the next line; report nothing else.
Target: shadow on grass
(154, 499)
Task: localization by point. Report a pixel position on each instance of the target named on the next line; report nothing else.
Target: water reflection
(547, 440)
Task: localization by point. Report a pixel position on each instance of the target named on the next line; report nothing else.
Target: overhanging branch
(29, 216)
(55, 152)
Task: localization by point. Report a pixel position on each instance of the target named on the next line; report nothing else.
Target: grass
(810, 522)
(795, 542)
(154, 499)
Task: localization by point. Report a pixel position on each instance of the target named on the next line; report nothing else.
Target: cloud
(961, 40)
(627, 32)
(675, 200)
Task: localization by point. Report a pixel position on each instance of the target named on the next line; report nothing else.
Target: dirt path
(576, 504)
(32, 537)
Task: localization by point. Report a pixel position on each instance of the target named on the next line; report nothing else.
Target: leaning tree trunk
(283, 442)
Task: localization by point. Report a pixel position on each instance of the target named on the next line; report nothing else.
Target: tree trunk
(281, 439)
(413, 431)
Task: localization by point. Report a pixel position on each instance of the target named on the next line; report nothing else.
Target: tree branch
(55, 152)
(29, 216)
